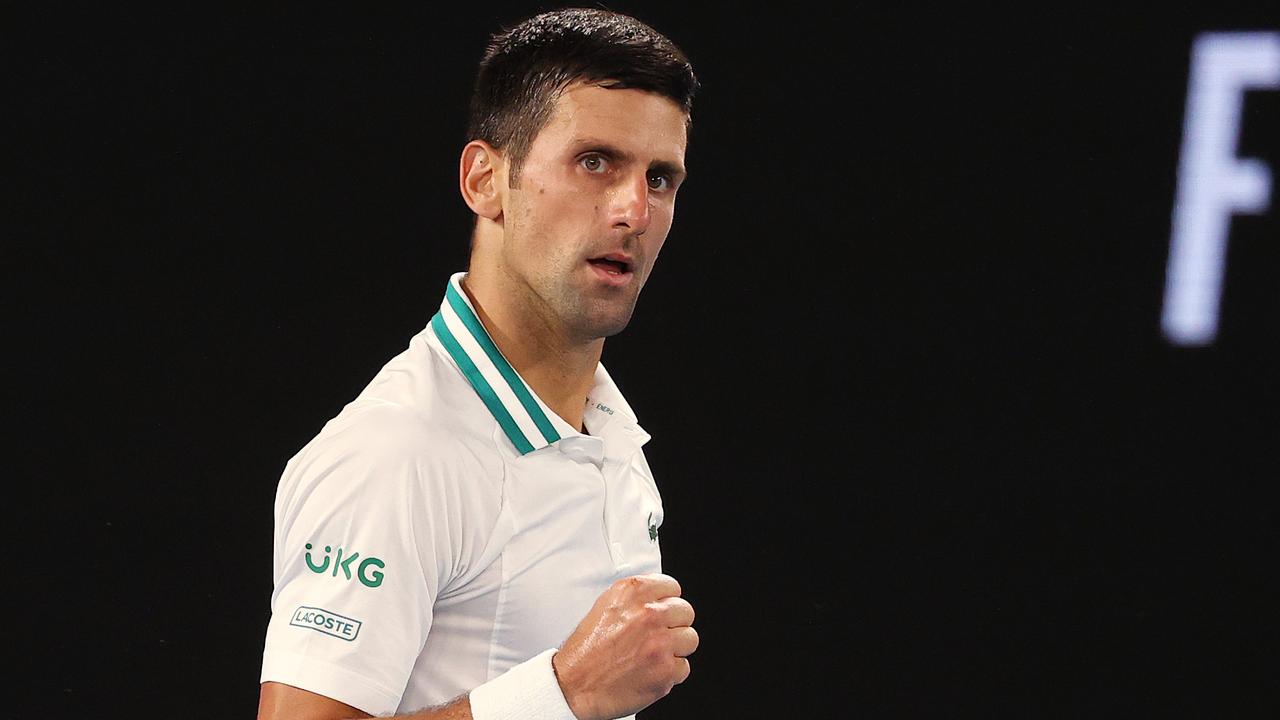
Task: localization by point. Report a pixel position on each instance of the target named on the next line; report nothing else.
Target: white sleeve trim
(332, 681)
(528, 691)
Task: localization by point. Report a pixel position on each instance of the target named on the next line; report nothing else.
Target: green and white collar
(523, 417)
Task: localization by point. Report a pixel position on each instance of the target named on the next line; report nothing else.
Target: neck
(559, 370)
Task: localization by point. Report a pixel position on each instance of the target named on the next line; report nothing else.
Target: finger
(676, 612)
(657, 585)
(681, 672)
(684, 640)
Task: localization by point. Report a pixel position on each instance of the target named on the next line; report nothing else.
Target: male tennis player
(476, 534)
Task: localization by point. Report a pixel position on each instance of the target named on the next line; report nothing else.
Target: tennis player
(476, 534)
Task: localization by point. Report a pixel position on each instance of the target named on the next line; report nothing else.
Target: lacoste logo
(329, 623)
(368, 578)
(653, 529)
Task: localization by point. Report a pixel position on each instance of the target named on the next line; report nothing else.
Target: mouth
(614, 268)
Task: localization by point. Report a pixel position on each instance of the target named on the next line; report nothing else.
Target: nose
(630, 203)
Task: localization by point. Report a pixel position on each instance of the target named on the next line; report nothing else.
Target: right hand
(629, 650)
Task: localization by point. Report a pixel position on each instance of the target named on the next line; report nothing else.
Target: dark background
(922, 447)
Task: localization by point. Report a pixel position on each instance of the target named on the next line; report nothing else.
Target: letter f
(1212, 182)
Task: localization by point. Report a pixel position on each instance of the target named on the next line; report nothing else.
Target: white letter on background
(1212, 182)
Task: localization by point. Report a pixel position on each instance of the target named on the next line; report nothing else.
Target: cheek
(661, 217)
(653, 247)
(534, 223)
(554, 209)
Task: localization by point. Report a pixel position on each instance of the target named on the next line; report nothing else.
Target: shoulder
(423, 393)
(417, 409)
(414, 428)
(384, 472)
(417, 434)
(377, 444)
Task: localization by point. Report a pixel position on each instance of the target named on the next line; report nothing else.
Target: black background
(922, 447)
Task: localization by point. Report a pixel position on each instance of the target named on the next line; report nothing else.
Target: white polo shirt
(447, 526)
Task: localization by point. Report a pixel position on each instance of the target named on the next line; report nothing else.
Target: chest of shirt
(569, 528)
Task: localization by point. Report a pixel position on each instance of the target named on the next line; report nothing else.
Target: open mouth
(613, 267)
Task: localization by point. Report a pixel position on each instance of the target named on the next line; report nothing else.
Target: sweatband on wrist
(528, 691)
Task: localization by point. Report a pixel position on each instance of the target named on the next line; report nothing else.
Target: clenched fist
(629, 650)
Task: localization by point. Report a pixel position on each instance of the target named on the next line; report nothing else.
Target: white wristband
(528, 691)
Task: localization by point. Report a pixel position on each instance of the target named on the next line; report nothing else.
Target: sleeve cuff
(326, 679)
(528, 691)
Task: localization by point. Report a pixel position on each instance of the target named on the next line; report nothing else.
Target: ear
(479, 178)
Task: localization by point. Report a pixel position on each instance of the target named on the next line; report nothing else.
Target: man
(469, 538)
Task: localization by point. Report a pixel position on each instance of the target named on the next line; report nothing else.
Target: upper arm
(370, 528)
(278, 701)
(355, 580)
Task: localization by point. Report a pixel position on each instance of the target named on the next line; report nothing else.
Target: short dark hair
(525, 68)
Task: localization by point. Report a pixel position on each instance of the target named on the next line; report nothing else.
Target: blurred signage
(1212, 182)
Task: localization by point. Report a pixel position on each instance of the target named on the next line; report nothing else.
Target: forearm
(284, 702)
(457, 709)
(528, 691)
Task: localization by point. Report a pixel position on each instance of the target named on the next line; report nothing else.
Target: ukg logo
(366, 576)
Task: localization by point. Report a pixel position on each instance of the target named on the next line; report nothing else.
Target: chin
(603, 325)
(609, 329)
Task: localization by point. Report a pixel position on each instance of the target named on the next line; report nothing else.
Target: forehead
(639, 121)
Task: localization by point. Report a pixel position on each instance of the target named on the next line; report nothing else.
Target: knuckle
(658, 616)
(664, 583)
(625, 586)
(653, 654)
(655, 651)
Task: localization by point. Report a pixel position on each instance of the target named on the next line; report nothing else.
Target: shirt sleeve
(364, 543)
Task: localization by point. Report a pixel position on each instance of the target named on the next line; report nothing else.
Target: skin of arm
(285, 702)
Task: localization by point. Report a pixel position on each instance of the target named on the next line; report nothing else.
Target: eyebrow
(667, 167)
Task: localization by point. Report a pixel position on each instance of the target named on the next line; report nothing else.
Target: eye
(593, 163)
(658, 181)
